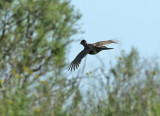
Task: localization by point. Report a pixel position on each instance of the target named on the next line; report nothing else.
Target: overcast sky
(132, 22)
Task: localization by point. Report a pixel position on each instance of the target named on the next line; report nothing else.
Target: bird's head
(83, 42)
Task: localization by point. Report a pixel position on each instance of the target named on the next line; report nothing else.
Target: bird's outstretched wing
(100, 43)
(75, 63)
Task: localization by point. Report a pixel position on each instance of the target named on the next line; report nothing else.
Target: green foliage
(34, 35)
(130, 88)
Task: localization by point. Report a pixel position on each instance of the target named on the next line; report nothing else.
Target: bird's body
(91, 49)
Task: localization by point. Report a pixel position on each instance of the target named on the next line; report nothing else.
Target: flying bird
(92, 49)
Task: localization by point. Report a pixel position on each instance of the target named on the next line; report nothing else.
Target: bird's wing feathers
(75, 63)
(103, 43)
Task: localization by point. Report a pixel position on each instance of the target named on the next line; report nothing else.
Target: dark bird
(89, 49)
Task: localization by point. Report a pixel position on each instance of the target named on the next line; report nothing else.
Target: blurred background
(39, 39)
(132, 23)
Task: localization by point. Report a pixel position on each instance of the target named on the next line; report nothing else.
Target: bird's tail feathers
(106, 48)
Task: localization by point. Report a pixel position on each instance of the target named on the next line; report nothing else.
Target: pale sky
(132, 22)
